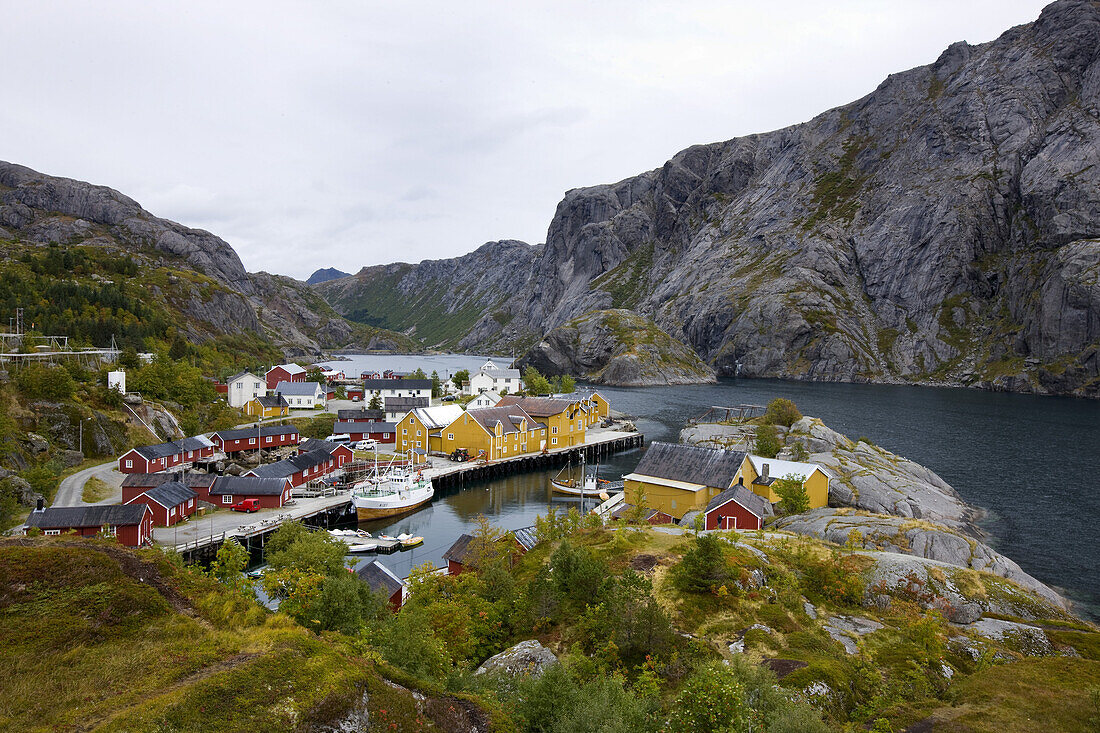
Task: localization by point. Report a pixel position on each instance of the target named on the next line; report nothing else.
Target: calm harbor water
(1031, 462)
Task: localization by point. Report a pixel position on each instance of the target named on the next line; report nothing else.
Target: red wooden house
(271, 493)
(382, 580)
(299, 469)
(171, 502)
(459, 555)
(165, 456)
(136, 484)
(130, 524)
(267, 437)
(737, 508)
(284, 373)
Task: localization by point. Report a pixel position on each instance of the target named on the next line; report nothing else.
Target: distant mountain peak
(325, 274)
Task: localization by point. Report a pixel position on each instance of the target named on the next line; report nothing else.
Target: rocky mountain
(325, 274)
(943, 229)
(197, 277)
(617, 347)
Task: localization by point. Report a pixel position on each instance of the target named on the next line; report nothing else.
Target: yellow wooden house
(565, 420)
(675, 478)
(599, 407)
(420, 429)
(267, 406)
(760, 475)
(491, 433)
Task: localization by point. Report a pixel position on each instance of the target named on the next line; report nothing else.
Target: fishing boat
(401, 490)
(589, 484)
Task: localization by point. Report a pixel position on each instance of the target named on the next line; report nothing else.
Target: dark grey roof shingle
(379, 578)
(290, 466)
(460, 550)
(690, 463)
(87, 516)
(360, 415)
(755, 503)
(171, 494)
(248, 485)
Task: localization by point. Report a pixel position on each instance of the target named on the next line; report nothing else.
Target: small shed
(737, 508)
(382, 580)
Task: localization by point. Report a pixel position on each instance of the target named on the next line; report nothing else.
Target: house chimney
(764, 475)
(40, 505)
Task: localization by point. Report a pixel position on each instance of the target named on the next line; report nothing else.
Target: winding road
(71, 487)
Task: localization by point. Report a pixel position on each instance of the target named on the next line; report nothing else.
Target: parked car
(460, 454)
(246, 505)
(368, 444)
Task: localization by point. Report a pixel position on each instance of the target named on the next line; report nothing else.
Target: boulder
(848, 629)
(70, 458)
(525, 658)
(36, 443)
(1026, 639)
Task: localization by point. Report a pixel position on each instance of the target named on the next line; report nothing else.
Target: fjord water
(1032, 463)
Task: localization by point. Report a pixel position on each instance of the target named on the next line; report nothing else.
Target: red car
(246, 505)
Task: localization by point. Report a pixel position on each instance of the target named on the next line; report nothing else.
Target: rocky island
(620, 348)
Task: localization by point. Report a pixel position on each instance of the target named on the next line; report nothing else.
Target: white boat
(400, 491)
(590, 485)
(363, 546)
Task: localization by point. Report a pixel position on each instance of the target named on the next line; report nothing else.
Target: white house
(302, 395)
(385, 388)
(492, 377)
(485, 399)
(244, 387)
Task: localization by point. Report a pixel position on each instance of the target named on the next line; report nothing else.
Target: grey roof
(755, 503)
(460, 550)
(508, 415)
(170, 494)
(149, 480)
(290, 466)
(378, 385)
(538, 406)
(264, 431)
(526, 537)
(363, 414)
(688, 520)
(379, 578)
(87, 516)
(249, 485)
(691, 463)
(245, 373)
(196, 443)
(311, 444)
(160, 450)
(271, 400)
(299, 389)
(406, 403)
(624, 510)
(371, 426)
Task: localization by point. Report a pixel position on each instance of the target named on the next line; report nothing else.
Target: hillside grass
(96, 636)
(96, 489)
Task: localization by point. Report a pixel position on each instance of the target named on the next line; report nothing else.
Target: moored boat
(398, 492)
(588, 485)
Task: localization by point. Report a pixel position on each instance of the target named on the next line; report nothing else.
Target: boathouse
(130, 524)
(267, 437)
(300, 469)
(171, 502)
(675, 478)
(136, 484)
(382, 580)
(165, 456)
(271, 493)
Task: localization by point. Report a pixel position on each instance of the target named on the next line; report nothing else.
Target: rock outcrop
(525, 658)
(325, 274)
(924, 540)
(944, 228)
(617, 347)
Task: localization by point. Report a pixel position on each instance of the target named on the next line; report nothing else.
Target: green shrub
(703, 568)
(41, 382)
(782, 411)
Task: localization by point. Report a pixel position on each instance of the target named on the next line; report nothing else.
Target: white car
(368, 444)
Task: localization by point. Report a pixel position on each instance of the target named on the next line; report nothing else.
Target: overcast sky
(344, 134)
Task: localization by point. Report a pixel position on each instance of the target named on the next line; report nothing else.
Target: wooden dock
(335, 508)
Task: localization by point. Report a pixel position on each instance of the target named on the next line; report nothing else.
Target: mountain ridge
(944, 228)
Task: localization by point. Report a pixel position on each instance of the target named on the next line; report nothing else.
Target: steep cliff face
(620, 348)
(944, 228)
